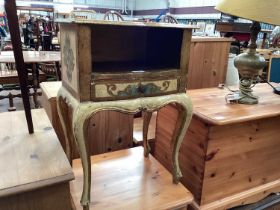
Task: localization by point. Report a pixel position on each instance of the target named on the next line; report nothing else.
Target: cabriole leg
(80, 125)
(184, 107)
(146, 122)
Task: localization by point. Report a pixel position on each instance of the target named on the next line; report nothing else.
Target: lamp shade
(257, 10)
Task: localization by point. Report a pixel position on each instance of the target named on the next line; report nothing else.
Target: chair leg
(11, 103)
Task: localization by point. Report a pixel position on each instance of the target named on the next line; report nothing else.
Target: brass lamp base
(246, 95)
(244, 99)
(247, 101)
(249, 65)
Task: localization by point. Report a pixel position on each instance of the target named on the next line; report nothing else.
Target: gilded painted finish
(83, 111)
(115, 90)
(68, 58)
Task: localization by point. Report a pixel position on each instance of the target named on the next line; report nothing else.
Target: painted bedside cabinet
(122, 66)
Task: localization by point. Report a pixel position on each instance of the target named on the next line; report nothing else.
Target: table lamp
(250, 64)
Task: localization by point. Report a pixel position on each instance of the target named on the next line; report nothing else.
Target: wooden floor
(126, 180)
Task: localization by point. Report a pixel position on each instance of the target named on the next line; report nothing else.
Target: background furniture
(9, 81)
(230, 154)
(208, 61)
(51, 69)
(35, 172)
(35, 58)
(113, 16)
(274, 68)
(169, 19)
(110, 130)
(83, 14)
(266, 53)
(127, 180)
(237, 30)
(32, 58)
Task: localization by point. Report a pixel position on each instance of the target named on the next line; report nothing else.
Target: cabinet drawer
(126, 90)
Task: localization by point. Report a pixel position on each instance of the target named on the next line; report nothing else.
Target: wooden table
(30, 57)
(34, 57)
(35, 172)
(231, 152)
(127, 180)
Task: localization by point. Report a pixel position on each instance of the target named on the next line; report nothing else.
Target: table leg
(146, 122)
(35, 84)
(82, 112)
(184, 107)
(11, 103)
(81, 119)
(263, 41)
(58, 72)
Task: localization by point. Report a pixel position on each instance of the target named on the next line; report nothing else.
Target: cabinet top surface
(51, 88)
(210, 105)
(127, 23)
(30, 161)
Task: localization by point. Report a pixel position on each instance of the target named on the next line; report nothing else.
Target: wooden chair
(9, 81)
(113, 16)
(83, 14)
(49, 69)
(11, 12)
(169, 19)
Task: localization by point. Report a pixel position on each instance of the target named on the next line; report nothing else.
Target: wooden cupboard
(208, 61)
(230, 154)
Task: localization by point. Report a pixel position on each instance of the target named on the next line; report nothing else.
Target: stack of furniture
(35, 172)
